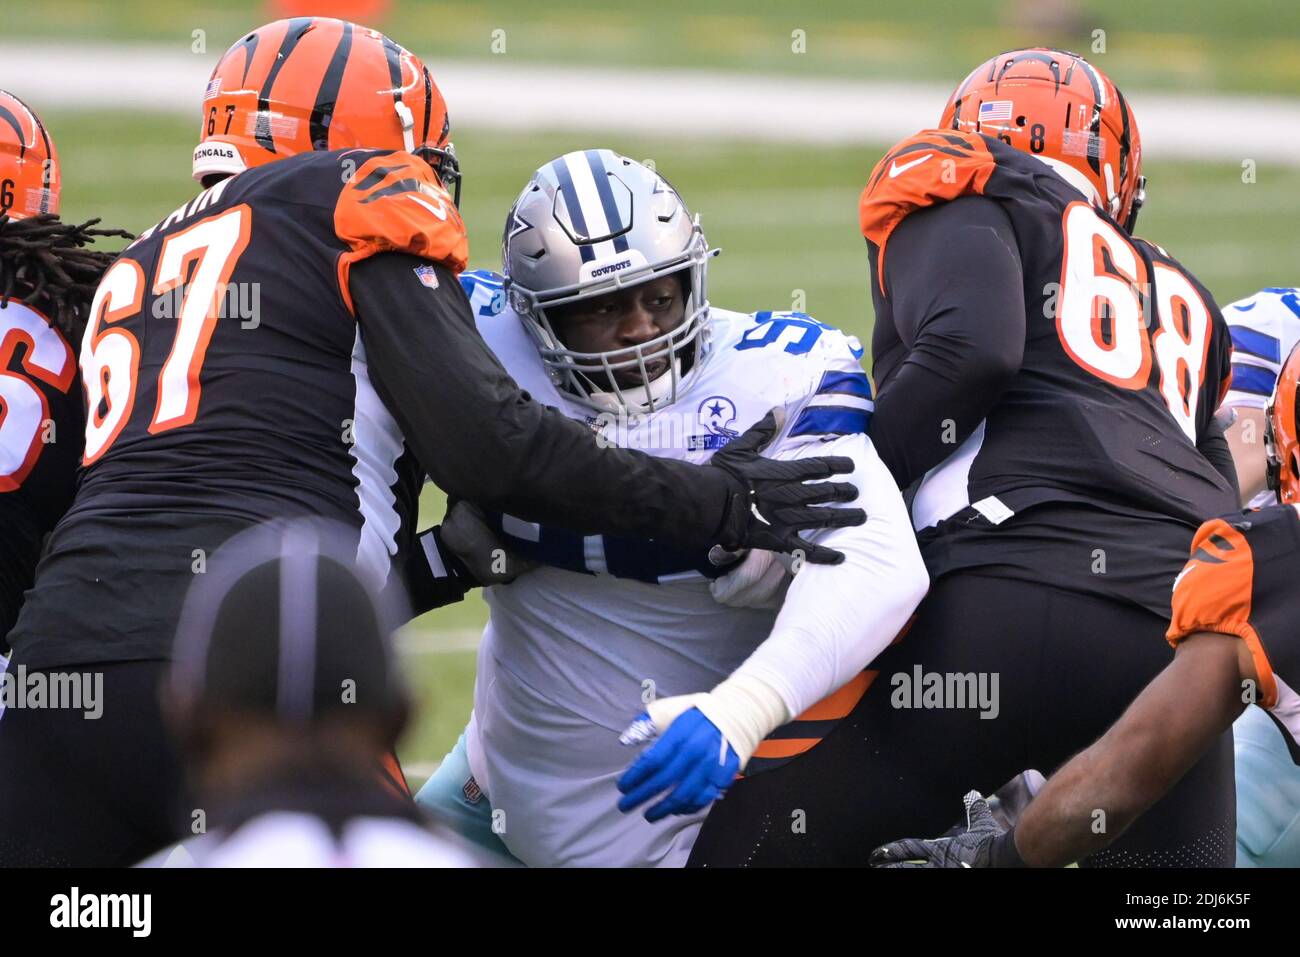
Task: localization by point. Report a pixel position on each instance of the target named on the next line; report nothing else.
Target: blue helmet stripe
(561, 171)
(607, 201)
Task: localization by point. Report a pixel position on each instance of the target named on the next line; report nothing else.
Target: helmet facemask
(1281, 450)
(591, 377)
(567, 244)
(444, 163)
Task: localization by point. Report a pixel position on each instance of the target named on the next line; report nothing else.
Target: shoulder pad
(934, 166)
(818, 367)
(394, 203)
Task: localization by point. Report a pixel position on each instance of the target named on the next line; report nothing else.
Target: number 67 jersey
(1126, 358)
(227, 385)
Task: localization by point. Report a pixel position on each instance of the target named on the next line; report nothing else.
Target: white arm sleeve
(837, 618)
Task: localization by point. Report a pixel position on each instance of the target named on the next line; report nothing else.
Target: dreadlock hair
(44, 264)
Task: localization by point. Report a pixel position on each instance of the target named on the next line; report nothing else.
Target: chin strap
(407, 120)
(1139, 198)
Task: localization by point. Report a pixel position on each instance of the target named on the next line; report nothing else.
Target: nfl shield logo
(473, 793)
(427, 276)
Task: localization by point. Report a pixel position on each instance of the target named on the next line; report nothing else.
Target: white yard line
(670, 104)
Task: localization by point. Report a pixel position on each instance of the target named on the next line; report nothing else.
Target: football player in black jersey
(295, 341)
(47, 279)
(1047, 385)
(1236, 631)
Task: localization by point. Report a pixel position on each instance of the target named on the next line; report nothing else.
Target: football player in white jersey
(1265, 328)
(603, 314)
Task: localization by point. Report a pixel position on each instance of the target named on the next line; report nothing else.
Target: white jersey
(575, 649)
(1265, 328)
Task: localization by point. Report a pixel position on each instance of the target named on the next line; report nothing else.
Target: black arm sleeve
(1214, 446)
(480, 437)
(955, 298)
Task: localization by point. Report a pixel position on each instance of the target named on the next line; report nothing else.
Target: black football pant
(104, 792)
(1067, 666)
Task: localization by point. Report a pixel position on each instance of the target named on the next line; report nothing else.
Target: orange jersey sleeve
(934, 166)
(394, 203)
(1214, 592)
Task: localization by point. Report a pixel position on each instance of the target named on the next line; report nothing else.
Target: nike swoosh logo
(440, 211)
(895, 169)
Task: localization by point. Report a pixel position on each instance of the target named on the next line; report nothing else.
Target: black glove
(772, 504)
(983, 842)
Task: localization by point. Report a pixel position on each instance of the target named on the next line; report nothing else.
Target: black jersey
(40, 445)
(1240, 580)
(1095, 429)
(227, 384)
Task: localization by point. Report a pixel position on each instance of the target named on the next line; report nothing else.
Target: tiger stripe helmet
(315, 83)
(1060, 108)
(1282, 433)
(29, 164)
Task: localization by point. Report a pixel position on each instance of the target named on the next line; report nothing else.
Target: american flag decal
(214, 87)
(992, 110)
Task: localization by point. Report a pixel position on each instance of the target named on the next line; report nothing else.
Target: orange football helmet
(29, 165)
(315, 83)
(1062, 109)
(1282, 432)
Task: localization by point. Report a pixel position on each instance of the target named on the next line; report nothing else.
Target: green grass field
(1170, 44)
(785, 218)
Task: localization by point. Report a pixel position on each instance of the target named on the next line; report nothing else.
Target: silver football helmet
(590, 223)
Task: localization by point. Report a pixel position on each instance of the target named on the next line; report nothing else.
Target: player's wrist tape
(1004, 853)
(746, 710)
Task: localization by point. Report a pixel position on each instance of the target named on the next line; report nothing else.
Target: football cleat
(1060, 108)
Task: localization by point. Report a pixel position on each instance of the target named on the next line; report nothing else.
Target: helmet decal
(317, 83)
(1060, 108)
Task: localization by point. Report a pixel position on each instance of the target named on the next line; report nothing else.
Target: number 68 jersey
(1126, 358)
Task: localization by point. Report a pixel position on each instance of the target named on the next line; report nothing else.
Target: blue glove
(692, 760)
